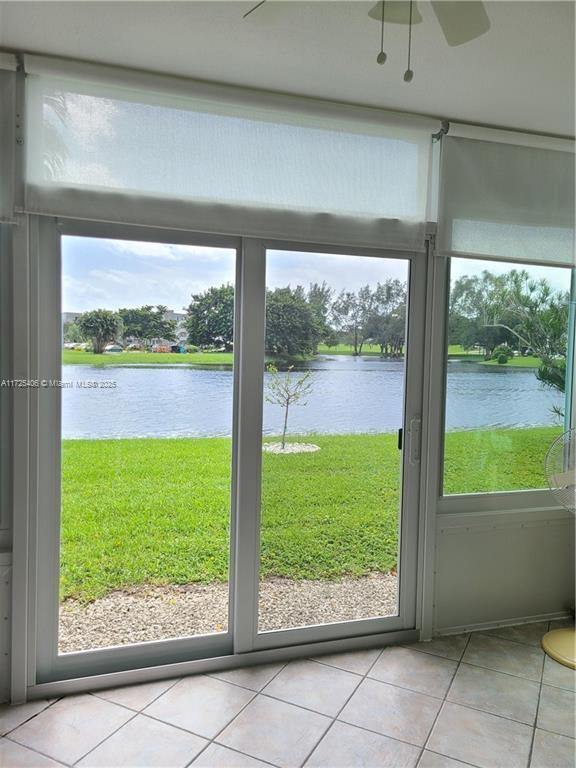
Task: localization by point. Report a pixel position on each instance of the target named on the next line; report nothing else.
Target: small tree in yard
(100, 326)
(283, 389)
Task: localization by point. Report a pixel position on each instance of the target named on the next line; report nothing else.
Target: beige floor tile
(345, 746)
(557, 711)
(392, 711)
(14, 755)
(315, 686)
(505, 656)
(496, 693)
(420, 672)
(217, 756)
(552, 751)
(254, 678)
(480, 738)
(135, 696)
(354, 661)
(12, 717)
(200, 704)
(145, 742)
(449, 647)
(433, 760)
(276, 732)
(528, 634)
(71, 727)
(558, 675)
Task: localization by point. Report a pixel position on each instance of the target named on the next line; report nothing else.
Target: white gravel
(155, 613)
(290, 448)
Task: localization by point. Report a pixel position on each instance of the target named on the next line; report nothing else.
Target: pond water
(348, 395)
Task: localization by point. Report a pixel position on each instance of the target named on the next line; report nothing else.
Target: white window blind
(7, 139)
(506, 201)
(232, 165)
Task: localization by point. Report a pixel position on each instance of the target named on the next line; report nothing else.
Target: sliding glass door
(223, 454)
(334, 386)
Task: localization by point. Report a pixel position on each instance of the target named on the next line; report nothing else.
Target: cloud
(168, 251)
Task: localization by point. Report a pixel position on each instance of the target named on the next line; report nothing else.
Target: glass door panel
(334, 388)
(146, 441)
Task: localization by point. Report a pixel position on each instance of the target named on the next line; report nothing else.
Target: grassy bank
(156, 510)
(78, 357)
(516, 362)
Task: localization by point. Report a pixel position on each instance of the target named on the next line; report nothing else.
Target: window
(506, 374)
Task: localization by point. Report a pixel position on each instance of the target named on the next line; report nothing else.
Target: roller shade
(242, 166)
(506, 201)
(7, 141)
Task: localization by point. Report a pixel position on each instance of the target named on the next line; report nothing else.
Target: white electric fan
(560, 467)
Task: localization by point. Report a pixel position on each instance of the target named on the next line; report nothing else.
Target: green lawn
(155, 511)
(78, 357)
(347, 349)
(517, 362)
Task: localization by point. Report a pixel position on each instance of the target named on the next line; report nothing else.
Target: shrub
(502, 359)
(502, 350)
(192, 348)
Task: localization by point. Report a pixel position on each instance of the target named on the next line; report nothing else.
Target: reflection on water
(348, 395)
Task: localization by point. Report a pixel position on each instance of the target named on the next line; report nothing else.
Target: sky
(110, 274)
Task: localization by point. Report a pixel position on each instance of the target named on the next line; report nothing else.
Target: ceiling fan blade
(461, 21)
(254, 8)
(396, 12)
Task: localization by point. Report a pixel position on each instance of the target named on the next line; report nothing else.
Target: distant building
(180, 320)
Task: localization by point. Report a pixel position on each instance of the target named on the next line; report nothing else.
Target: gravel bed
(290, 448)
(155, 613)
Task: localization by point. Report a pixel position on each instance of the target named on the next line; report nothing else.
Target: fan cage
(560, 469)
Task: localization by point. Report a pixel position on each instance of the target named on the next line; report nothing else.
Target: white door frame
(242, 640)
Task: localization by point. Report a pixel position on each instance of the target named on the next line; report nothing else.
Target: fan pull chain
(409, 74)
(381, 58)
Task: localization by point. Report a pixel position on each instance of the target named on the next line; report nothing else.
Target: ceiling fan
(460, 20)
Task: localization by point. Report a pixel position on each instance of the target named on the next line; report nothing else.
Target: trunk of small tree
(285, 425)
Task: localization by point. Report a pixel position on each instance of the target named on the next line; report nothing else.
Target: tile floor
(490, 700)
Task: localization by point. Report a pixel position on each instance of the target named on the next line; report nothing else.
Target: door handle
(415, 440)
(400, 436)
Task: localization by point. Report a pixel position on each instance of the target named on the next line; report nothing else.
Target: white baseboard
(458, 630)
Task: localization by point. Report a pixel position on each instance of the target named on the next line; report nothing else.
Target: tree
(386, 322)
(292, 325)
(320, 300)
(210, 318)
(351, 313)
(537, 317)
(515, 310)
(147, 323)
(100, 326)
(72, 333)
(285, 389)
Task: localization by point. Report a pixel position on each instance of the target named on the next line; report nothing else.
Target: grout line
(361, 679)
(28, 719)
(38, 752)
(441, 754)
(458, 665)
(134, 716)
(216, 735)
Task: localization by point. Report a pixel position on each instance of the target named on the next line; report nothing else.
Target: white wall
(502, 567)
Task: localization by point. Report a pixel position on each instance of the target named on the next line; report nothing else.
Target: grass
(79, 357)
(156, 511)
(347, 349)
(516, 362)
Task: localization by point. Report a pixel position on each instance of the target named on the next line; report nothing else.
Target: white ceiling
(519, 75)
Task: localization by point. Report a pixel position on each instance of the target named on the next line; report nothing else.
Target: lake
(349, 395)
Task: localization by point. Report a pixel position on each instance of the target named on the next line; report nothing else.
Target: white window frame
(37, 670)
(529, 500)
